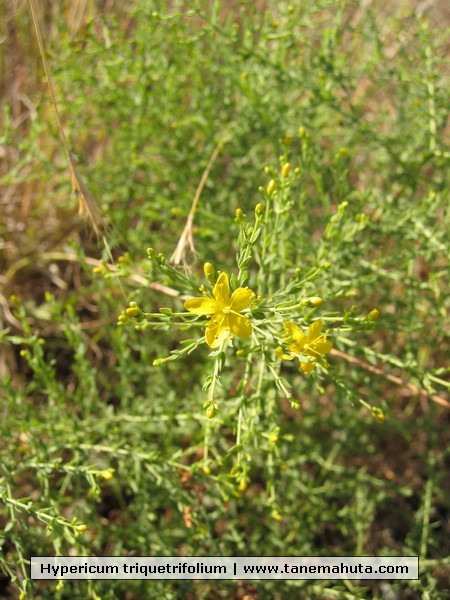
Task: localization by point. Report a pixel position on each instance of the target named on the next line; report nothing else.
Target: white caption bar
(232, 567)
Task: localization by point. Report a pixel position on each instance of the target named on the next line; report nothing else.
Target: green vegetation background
(147, 91)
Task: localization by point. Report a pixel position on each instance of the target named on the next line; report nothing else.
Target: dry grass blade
(87, 204)
(186, 236)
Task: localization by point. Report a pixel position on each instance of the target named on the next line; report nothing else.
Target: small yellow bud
(271, 186)
(150, 252)
(275, 24)
(122, 318)
(210, 411)
(275, 514)
(301, 132)
(273, 438)
(285, 170)
(240, 352)
(210, 272)
(259, 210)
(107, 474)
(239, 214)
(287, 140)
(206, 470)
(374, 314)
(242, 485)
(122, 259)
(267, 170)
(315, 301)
(378, 414)
(97, 270)
(133, 312)
(81, 527)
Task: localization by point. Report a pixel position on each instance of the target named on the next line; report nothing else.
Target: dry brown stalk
(377, 371)
(186, 236)
(86, 202)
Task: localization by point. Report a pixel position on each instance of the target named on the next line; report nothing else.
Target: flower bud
(259, 210)
(301, 132)
(271, 186)
(378, 414)
(374, 314)
(150, 253)
(275, 514)
(315, 301)
(133, 311)
(211, 411)
(210, 272)
(107, 474)
(239, 214)
(285, 170)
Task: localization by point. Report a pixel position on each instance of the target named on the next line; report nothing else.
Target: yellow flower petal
(307, 368)
(281, 354)
(221, 291)
(241, 298)
(314, 331)
(323, 347)
(295, 333)
(201, 306)
(240, 325)
(217, 330)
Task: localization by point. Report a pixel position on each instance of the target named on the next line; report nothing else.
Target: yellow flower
(313, 345)
(224, 311)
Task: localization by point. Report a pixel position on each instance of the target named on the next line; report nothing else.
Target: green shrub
(139, 439)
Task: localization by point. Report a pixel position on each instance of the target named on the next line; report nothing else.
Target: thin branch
(377, 371)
